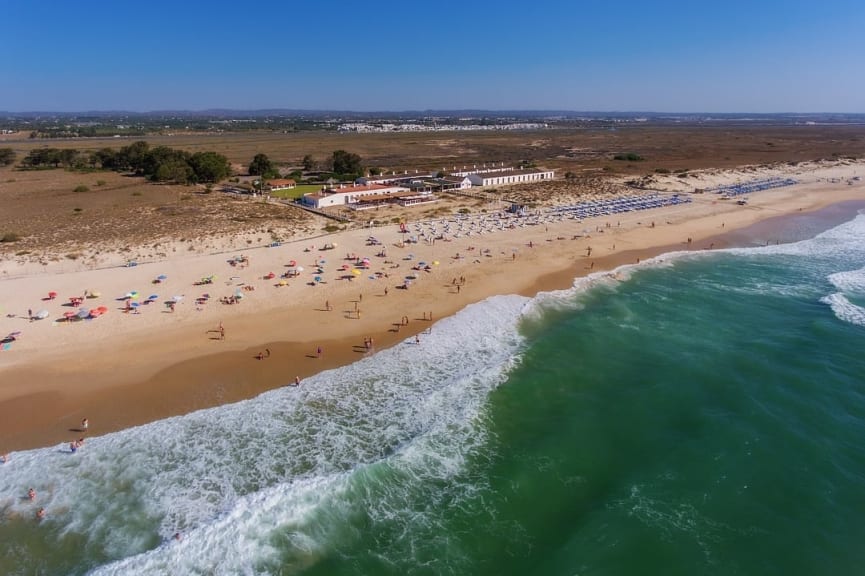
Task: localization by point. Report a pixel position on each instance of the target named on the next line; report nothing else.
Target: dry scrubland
(121, 216)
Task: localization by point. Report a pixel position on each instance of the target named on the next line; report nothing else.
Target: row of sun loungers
(620, 205)
(753, 186)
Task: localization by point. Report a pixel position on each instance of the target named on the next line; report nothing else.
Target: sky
(735, 56)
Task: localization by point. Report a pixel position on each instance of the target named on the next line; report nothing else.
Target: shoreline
(145, 377)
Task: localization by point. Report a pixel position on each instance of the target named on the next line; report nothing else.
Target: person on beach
(31, 494)
(85, 424)
(73, 447)
(297, 380)
(4, 458)
(385, 290)
(30, 314)
(267, 352)
(318, 352)
(221, 333)
(327, 305)
(416, 339)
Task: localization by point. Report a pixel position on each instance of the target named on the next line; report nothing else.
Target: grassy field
(296, 192)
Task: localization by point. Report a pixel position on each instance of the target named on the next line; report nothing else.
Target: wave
(234, 478)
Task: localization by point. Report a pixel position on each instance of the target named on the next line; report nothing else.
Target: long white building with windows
(505, 177)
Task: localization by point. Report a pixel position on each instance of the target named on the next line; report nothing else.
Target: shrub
(10, 237)
(662, 171)
(81, 188)
(630, 157)
(100, 182)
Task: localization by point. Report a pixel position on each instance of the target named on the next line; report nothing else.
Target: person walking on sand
(385, 290)
(318, 352)
(221, 333)
(85, 424)
(267, 352)
(297, 380)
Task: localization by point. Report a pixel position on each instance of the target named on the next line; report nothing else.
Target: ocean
(700, 413)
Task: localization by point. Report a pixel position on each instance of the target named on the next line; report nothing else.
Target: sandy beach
(139, 361)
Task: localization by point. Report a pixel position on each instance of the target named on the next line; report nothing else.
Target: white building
(506, 177)
(349, 194)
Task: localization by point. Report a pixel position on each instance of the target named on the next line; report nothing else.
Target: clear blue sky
(604, 55)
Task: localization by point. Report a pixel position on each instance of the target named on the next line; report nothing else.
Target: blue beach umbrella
(317, 278)
(153, 297)
(161, 277)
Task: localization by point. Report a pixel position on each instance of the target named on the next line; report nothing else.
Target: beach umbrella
(162, 277)
(300, 268)
(317, 278)
(292, 263)
(94, 313)
(70, 315)
(322, 262)
(52, 295)
(177, 298)
(283, 283)
(356, 272)
(421, 263)
(136, 304)
(41, 315)
(103, 309)
(153, 297)
(435, 262)
(94, 294)
(82, 314)
(334, 244)
(345, 266)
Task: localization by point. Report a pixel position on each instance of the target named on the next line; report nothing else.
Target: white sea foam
(234, 478)
(844, 309)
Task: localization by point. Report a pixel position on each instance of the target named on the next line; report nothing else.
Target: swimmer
(40, 514)
(178, 536)
(4, 458)
(73, 447)
(31, 494)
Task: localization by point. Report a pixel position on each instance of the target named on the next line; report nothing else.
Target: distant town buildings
(413, 127)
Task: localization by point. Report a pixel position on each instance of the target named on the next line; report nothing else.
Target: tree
(262, 166)
(132, 157)
(346, 163)
(209, 166)
(308, 163)
(7, 156)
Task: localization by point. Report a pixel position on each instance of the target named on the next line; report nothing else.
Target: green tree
(210, 166)
(132, 157)
(262, 166)
(173, 169)
(7, 156)
(347, 164)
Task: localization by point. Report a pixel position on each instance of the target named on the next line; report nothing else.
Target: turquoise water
(698, 414)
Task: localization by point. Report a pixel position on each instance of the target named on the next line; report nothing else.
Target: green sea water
(698, 414)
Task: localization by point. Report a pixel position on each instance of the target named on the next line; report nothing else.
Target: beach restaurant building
(351, 194)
